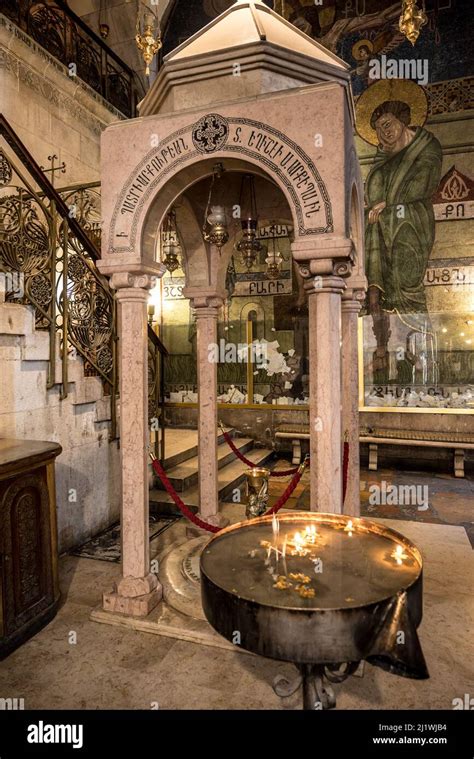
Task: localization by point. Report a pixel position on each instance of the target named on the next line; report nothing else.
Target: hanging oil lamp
(214, 229)
(412, 19)
(104, 28)
(145, 38)
(274, 260)
(171, 246)
(249, 246)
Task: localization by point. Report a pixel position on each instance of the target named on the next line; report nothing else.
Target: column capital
(205, 299)
(352, 300)
(322, 246)
(127, 280)
(119, 270)
(206, 312)
(325, 267)
(324, 254)
(325, 284)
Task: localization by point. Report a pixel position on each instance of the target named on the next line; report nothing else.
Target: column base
(218, 520)
(137, 606)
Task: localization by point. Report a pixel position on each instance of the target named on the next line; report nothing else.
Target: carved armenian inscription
(164, 157)
(274, 148)
(214, 134)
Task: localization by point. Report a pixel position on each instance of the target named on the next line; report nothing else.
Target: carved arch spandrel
(262, 146)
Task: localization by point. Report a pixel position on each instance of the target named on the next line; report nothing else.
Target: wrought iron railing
(84, 202)
(53, 261)
(63, 34)
(49, 245)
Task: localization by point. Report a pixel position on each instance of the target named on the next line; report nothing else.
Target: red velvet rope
(298, 473)
(179, 503)
(205, 525)
(284, 497)
(251, 464)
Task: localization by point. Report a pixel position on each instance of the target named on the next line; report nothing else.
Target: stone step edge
(191, 452)
(162, 504)
(225, 456)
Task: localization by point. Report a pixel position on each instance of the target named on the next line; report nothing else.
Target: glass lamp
(214, 229)
(274, 259)
(171, 246)
(249, 246)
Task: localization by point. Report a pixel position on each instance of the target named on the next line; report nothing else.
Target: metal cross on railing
(53, 169)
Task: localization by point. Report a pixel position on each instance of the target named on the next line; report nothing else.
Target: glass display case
(422, 360)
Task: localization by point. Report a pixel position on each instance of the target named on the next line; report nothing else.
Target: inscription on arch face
(240, 137)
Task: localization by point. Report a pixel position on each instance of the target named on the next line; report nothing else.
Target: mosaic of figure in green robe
(400, 225)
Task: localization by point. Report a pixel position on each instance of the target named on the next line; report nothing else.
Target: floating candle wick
(275, 527)
(283, 553)
(399, 554)
(349, 527)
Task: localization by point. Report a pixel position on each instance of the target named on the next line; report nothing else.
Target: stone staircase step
(185, 475)
(229, 478)
(36, 346)
(30, 349)
(180, 453)
(87, 390)
(16, 319)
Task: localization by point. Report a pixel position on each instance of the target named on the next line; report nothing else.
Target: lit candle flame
(299, 548)
(310, 533)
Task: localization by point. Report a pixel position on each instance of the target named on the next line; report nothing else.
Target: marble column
(206, 311)
(324, 305)
(351, 305)
(138, 591)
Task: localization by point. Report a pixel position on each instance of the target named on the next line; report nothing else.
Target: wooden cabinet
(29, 587)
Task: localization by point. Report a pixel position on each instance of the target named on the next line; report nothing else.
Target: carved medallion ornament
(210, 133)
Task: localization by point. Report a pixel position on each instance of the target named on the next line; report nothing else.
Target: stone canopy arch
(188, 154)
(286, 113)
(163, 198)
